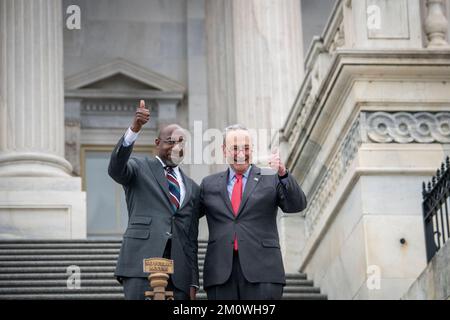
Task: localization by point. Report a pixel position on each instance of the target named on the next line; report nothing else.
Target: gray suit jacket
(152, 220)
(255, 226)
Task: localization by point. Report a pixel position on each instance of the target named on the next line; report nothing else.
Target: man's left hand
(276, 163)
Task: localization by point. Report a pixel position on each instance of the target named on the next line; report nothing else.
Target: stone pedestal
(38, 196)
(383, 24)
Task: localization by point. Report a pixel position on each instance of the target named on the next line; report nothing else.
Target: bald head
(166, 131)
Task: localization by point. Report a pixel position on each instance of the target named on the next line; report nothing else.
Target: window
(107, 214)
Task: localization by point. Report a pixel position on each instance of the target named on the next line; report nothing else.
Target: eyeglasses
(173, 142)
(236, 149)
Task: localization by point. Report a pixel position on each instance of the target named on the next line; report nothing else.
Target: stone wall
(434, 282)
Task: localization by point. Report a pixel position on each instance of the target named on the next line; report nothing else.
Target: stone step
(24, 258)
(24, 278)
(24, 284)
(59, 245)
(94, 269)
(36, 269)
(66, 263)
(19, 252)
(62, 289)
(60, 241)
(304, 296)
(66, 296)
(68, 245)
(33, 279)
(118, 296)
(61, 269)
(42, 257)
(19, 264)
(89, 240)
(68, 250)
(20, 285)
(33, 256)
(54, 276)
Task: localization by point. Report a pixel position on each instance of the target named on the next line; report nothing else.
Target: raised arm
(120, 168)
(290, 196)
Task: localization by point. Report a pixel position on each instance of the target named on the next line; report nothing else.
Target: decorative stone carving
(72, 145)
(339, 38)
(376, 127)
(436, 24)
(115, 106)
(333, 176)
(408, 127)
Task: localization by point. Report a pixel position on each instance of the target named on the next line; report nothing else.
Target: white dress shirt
(130, 137)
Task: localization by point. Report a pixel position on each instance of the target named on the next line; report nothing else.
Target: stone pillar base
(42, 208)
(33, 164)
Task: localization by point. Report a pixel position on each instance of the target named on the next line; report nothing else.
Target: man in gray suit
(243, 257)
(161, 202)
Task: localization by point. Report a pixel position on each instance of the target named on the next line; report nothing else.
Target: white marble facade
(360, 89)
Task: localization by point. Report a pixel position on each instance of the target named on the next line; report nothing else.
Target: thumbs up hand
(276, 163)
(141, 117)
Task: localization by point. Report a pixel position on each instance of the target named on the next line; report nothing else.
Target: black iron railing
(435, 205)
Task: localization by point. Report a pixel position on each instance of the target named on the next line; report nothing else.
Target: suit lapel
(188, 189)
(223, 181)
(252, 181)
(158, 172)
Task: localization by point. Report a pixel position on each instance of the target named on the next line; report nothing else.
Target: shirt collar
(176, 169)
(245, 175)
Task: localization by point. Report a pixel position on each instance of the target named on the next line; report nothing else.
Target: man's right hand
(141, 117)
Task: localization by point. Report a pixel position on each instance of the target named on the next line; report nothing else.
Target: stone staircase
(36, 269)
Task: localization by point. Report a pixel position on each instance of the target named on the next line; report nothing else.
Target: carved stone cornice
(407, 127)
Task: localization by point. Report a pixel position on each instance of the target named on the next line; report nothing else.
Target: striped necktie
(174, 188)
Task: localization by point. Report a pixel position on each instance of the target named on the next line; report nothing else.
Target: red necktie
(236, 197)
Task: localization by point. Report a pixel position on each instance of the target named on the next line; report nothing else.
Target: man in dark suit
(243, 258)
(161, 202)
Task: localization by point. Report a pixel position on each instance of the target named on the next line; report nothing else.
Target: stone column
(220, 63)
(197, 91)
(255, 57)
(268, 60)
(31, 89)
(38, 196)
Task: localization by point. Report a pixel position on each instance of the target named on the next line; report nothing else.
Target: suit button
(168, 234)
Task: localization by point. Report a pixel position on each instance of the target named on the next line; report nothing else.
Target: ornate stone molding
(436, 24)
(90, 106)
(330, 180)
(72, 144)
(127, 68)
(375, 127)
(406, 127)
(339, 38)
(334, 34)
